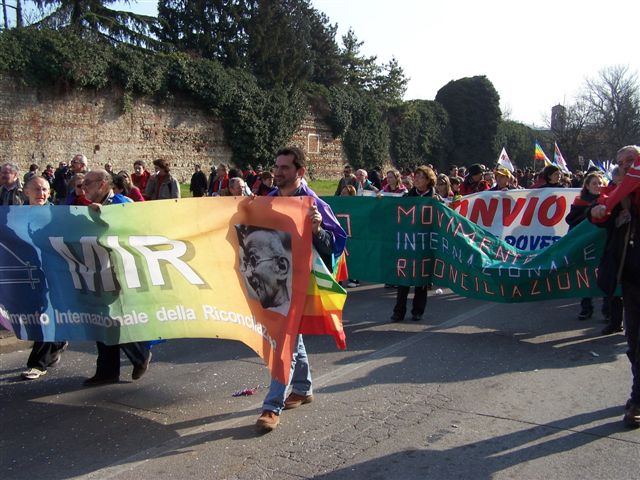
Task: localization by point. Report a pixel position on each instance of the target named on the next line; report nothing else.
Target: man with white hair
(237, 187)
(363, 183)
(10, 191)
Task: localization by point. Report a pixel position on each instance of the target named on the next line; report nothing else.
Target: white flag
(504, 161)
(558, 159)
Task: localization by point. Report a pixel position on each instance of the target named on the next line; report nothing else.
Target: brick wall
(46, 126)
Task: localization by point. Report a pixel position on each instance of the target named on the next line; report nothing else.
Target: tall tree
(325, 53)
(473, 105)
(360, 71)
(95, 18)
(214, 29)
(278, 45)
(390, 83)
(574, 135)
(613, 99)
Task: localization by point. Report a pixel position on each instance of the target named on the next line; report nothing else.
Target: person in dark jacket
(348, 179)
(198, 185)
(578, 212)
(424, 181)
(551, 176)
(613, 308)
(620, 214)
(162, 185)
(473, 181)
(374, 177)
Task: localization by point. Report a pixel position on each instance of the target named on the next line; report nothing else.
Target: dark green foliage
(360, 71)
(390, 84)
(285, 42)
(258, 122)
(49, 57)
(213, 29)
(473, 106)
(342, 101)
(519, 141)
(366, 141)
(205, 80)
(92, 18)
(138, 72)
(420, 134)
(326, 66)
(278, 44)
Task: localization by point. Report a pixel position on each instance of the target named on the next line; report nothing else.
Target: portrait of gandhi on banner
(266, 266)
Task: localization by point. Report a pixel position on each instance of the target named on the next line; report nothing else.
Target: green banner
(413, 241)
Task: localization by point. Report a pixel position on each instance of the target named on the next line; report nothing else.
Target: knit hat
(475, 169)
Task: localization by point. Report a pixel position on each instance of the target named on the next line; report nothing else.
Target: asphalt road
(476, 390)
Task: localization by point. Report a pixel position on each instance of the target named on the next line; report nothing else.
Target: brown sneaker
(294, 400)
(268, 421)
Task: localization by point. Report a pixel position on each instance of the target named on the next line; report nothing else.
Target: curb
(9, 343)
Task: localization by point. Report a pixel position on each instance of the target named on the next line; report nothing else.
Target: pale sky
(537, 54)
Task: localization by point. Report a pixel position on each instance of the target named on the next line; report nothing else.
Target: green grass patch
(184, 190)
(324, 187)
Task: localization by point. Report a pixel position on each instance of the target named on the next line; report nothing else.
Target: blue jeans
(299, 379)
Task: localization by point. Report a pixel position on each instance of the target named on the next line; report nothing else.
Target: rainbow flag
(322, 312)
(558, 159)
(341, 273)
(540, 155)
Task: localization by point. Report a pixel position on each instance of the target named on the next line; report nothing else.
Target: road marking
(196, 434)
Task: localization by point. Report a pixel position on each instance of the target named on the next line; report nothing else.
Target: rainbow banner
(233, 268)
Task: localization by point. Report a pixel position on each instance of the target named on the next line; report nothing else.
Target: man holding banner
(97, 188)
(329, 240)
(619, 212)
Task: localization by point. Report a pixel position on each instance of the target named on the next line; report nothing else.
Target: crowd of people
(77, 184)
(457, 181)
(67, 180)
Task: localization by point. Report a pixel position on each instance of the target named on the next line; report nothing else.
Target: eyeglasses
(89, 182)
(253, 261)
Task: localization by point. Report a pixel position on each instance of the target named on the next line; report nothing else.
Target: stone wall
(46, 126)
(325, 156)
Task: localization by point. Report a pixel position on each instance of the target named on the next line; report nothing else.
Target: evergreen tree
(473, 105)
(94, 18)
(214, 29)
(360, 71)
